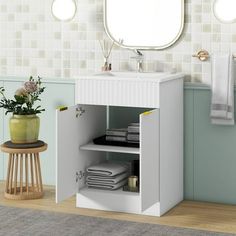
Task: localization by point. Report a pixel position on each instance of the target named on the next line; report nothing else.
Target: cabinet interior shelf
(118, 192)
(107, 148)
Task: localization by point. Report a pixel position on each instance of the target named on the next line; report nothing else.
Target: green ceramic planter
(24, 128)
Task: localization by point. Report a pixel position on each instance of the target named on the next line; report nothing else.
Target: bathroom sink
(138, 75)
(157, 76)
(125, 88)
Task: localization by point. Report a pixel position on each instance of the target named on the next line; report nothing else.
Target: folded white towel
(222, 103)
(108, 169)
(107, 186)
(107, 179)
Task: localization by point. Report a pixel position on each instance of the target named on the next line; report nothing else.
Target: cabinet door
(149, 158)
(67, 151)
(76, 126)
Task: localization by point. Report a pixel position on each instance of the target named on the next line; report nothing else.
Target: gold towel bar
(203, 55)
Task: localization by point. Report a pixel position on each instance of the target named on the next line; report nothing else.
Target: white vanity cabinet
(161, 142)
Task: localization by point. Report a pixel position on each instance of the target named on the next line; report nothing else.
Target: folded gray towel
(107, 186)
(107, 179)
(108, 169)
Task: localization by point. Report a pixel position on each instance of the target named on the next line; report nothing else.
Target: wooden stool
(26, 160)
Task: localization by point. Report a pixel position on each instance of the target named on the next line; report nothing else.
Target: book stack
(116, 135)
(133, 133)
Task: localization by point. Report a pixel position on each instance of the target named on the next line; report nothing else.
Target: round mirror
(224, 10)
(64, 10)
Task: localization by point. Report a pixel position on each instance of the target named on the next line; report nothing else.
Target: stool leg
(16, 173)
(32, 171)
(26, 173)
(36, 171)
(11, 172)
(21, 173)
(8, 173)
(39, 173)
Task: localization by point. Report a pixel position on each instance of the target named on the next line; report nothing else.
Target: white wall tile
(33, 42)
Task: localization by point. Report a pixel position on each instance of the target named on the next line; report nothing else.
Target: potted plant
(24, 123)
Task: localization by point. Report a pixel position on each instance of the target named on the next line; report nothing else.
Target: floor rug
(27, 222)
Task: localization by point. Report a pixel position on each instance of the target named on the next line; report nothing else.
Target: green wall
(57, 93)
(210, 151)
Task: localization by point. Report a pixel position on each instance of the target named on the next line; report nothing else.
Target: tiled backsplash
(32, 42)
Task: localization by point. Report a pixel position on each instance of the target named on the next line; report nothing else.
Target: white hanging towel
(222, 101)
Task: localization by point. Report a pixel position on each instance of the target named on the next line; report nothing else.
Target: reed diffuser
(106, 52)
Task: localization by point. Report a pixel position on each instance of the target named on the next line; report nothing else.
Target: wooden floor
(188, 214)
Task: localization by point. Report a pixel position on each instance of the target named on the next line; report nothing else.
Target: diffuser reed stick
(106, 52)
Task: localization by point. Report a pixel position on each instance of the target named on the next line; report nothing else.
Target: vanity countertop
(158, 77)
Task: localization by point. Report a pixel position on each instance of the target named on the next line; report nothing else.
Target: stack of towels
(133, 133)
(107, 175)
(117, 135)
(130, 134)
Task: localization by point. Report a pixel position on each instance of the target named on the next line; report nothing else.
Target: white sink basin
(157, 76)
(138, 75)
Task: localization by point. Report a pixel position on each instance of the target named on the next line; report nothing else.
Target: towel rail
(203, 55)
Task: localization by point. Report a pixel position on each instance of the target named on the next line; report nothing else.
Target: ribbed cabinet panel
(118, 92)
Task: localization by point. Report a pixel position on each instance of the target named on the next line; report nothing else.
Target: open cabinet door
(67, 151)
(77, 126)
(149, 159)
